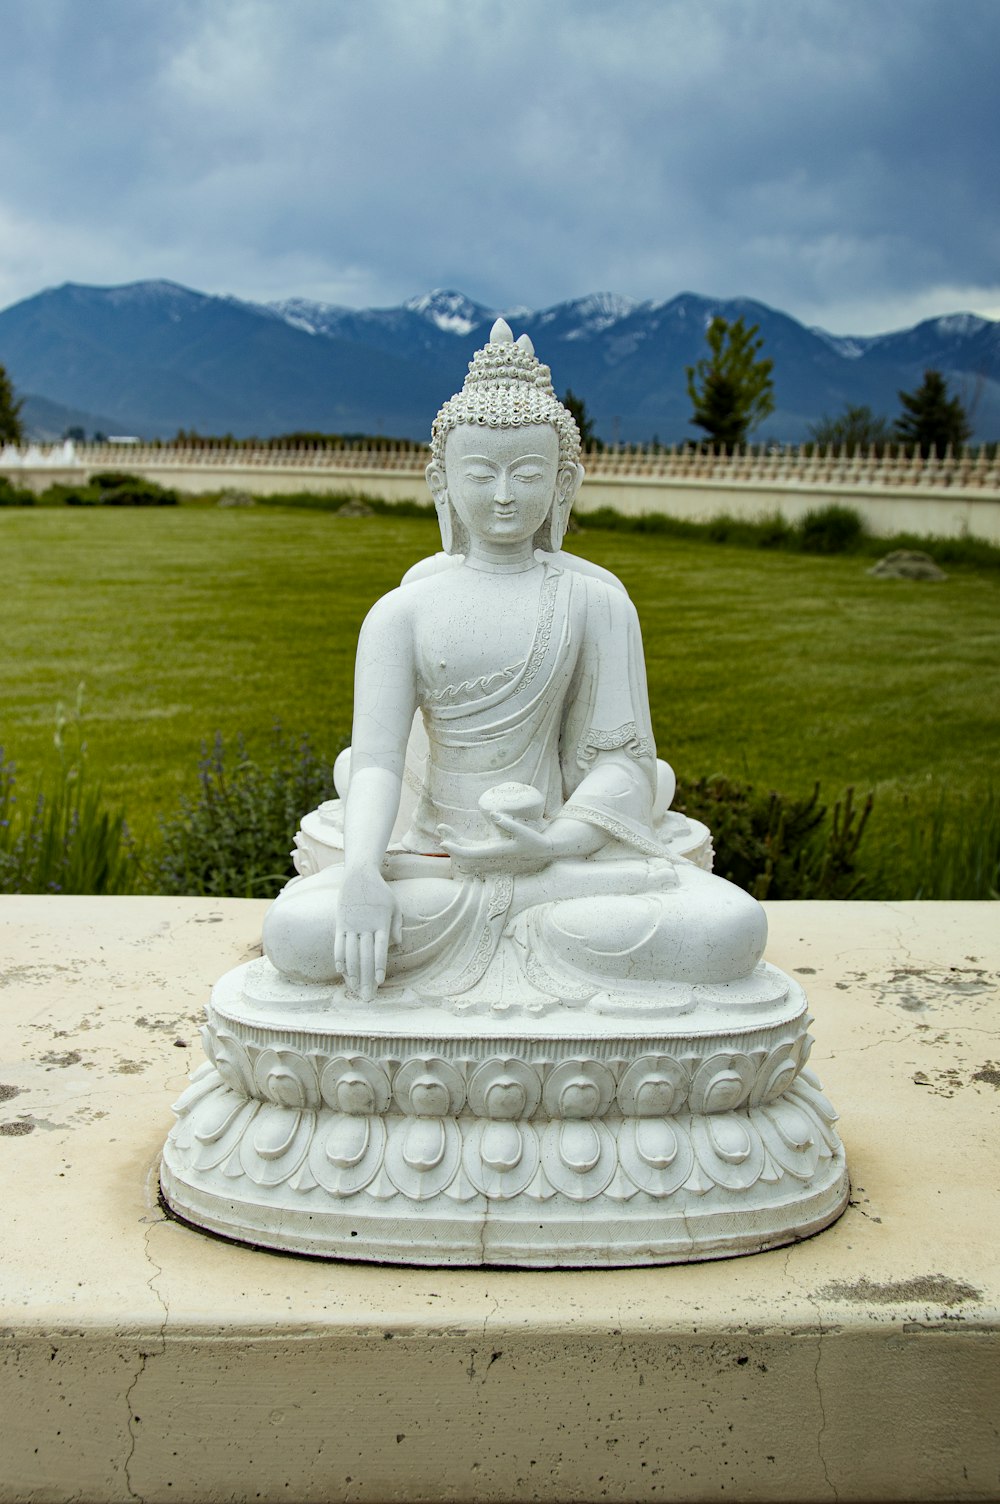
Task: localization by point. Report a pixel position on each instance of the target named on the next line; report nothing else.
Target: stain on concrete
(859, 1201)
(31, 974)
(941, 1083)
(130, 1067)
(946, 1083)
(16, 1130)
(918, 989)
(928, 1289)
(61, 1058)
(7, 1092)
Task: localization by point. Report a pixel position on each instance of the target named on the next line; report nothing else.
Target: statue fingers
(381, 955)
(351, 972)
(340, 950)
(526, 834)
(366, 965)
(455, 847)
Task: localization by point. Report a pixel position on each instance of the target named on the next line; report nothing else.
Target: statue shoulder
(610, 609)
(579, 566)
(404, 606)
(433, 565)
(390, 618)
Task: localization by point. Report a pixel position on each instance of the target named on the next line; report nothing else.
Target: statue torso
(472, 628)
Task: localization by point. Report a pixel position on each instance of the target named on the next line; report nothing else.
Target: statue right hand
(368, 919)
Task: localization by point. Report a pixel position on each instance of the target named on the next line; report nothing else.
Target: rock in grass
(907, 564)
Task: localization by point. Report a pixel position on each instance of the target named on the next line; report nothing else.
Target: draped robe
(572, 720)
(550, 721)
(580, 691)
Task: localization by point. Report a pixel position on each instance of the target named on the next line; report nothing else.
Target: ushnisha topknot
(507, 387)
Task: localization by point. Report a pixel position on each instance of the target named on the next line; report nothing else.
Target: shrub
(773, 531)
(775, 846)
(831, 530)
(111, 488)
(951, 853)
(63, 837)
(14, 496)
(336, 501)
(116, 489)
(234, 837)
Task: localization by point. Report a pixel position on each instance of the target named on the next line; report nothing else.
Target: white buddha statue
(532, 875)
(378, 1085)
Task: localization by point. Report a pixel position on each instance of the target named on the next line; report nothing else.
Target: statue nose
(502, 490)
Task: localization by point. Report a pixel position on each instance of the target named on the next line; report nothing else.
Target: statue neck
(491, 558)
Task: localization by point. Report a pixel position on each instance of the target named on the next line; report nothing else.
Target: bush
(772, 531)
(111, 488)
(62, 837)
(335, 501)
(775, 846)
(951, 853)
(117, 489)
(234, 838)
(831, 530)
(14, 496)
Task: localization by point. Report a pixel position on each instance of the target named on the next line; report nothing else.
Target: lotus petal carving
(355, 1084)
(722, 1083)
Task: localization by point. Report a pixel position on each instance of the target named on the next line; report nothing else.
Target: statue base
(404, 1134)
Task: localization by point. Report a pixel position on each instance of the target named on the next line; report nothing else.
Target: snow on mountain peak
(847, 345)
(450, 311)
(307, 314)
(960, 323)
(598, 312)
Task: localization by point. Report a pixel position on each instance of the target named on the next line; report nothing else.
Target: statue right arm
(385, 694)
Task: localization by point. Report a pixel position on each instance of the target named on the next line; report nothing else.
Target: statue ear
(568, 482)
(454, 539)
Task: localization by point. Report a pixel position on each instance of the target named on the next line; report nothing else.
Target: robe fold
(579, 693)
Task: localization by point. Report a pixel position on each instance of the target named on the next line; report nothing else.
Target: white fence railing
(967, 469)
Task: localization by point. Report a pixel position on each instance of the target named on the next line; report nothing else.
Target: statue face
(502, 481)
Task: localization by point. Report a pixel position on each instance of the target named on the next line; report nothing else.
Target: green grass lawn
(781, 668)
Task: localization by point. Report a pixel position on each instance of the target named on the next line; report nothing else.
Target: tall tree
(931, 420)
(855, 428)
(731, 388)
(11, 431)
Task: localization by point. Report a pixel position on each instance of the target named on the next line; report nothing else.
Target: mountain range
(152, 357)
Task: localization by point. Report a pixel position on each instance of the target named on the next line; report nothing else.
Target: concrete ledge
(144, 1360)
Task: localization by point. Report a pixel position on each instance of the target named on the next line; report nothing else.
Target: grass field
(781, 668)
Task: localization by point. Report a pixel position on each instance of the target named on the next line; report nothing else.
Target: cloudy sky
(834, 158)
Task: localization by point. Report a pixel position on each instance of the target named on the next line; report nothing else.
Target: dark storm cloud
(832, 157)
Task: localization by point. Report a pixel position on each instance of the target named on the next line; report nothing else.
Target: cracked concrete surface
(144, 1361)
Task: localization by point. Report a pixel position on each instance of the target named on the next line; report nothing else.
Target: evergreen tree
(931, 420)
(731, 388)
(11, 431)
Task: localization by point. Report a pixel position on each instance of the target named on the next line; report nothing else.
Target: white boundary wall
(947, 497)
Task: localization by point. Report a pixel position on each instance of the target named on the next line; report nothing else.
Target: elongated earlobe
(568, 482)
(454, 538)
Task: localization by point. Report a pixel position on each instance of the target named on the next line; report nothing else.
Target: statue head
(507, 388)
